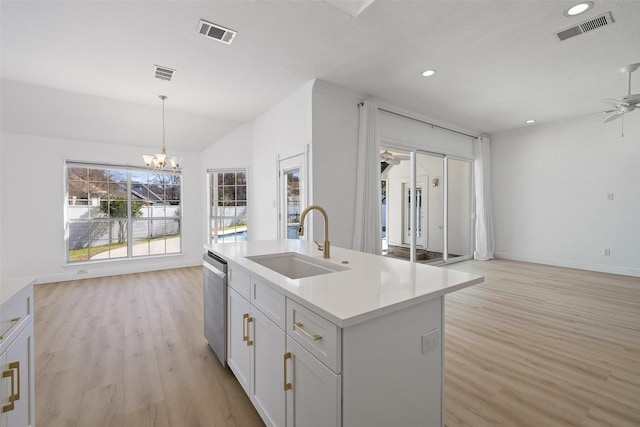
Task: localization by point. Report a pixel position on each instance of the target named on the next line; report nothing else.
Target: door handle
(249, 342)
(16, 365)
(299, 327)
(287, 386)
(14, 396)
(245, 334)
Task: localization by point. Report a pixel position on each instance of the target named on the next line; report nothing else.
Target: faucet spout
(325, 247)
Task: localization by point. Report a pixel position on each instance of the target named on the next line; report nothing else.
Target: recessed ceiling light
(579, 8)
(530, 121)
(429, 73)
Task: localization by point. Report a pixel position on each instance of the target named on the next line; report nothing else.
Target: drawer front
(316, 334)
(15, 312)
(239, 279)
(268, 300)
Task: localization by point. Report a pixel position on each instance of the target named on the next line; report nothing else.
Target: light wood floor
(532, 346)
(130, 351)
(542, 346)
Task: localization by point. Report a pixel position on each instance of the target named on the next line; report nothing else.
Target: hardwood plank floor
(130, 351)
(532, 346)
(542, 346)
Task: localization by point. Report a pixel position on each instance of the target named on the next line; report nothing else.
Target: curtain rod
(422, 121)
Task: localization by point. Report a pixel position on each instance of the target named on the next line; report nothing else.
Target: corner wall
(550, 186)
(334, 151)
(283, 130)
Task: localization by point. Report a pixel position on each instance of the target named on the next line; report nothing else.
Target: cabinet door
(238, 342)
(314, 397)
(268, 393)
(5, 388)
(18, 359)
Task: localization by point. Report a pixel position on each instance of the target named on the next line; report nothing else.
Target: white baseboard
(625, 271)
(116, 270)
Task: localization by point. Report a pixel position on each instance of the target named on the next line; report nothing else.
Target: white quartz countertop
(10, 287)
(373, 286)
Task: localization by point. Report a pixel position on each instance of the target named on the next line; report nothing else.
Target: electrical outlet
(430, 340)
(82, 271)
(609, 196)
(606, 252)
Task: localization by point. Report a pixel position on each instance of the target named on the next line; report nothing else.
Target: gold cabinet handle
(245, 334)
(16, 366)
(14, 322)
(287, 386)
(299, 326)
(9, 406)
(249, 342)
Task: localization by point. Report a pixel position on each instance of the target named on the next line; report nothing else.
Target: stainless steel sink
(295, 265)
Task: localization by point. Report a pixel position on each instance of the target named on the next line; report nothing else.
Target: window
(115, 212)
(228, 205)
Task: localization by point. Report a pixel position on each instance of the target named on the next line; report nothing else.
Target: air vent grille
(164, 73)
(216, 32)
(583, 27)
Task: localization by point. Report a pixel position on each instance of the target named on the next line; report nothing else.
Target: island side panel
(387, 378)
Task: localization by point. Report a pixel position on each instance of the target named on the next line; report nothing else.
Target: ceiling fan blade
(615, 102)
(610, 111)
(615, 116)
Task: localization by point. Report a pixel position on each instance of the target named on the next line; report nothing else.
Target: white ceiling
(499, 62)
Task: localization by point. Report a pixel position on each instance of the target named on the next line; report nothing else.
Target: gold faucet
(324, 248)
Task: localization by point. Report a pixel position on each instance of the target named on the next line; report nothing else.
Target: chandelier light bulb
(159, 160)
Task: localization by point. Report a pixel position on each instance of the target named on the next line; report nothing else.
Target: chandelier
(159, 161)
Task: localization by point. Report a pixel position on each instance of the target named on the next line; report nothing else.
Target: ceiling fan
(392, 159)
(629, 102)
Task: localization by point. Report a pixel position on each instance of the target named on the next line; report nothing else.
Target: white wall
(334, 151)
(33, 194)
(550, 186)
(283, 130)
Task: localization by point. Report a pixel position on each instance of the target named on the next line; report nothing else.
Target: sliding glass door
(427, 206)
(459, 223)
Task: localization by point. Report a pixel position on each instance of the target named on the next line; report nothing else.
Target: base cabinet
(301, 370)
(17, 405)
(256, 346)
(267, 391)
(238, 344)
(19, 373)
(313, 400)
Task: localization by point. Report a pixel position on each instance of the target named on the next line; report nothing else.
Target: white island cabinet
(361, 346)
(17, 405)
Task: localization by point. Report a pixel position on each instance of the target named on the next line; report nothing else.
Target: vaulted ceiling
(498, 63)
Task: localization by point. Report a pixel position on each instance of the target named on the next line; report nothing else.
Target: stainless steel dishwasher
(215, 304)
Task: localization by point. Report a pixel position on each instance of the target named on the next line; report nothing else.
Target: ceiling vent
(583, 27)
(164, 73)
(216, 32)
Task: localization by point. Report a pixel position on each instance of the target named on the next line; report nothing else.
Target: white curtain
(367, 229)
(485, 243)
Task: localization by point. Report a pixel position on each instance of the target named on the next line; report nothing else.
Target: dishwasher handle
(214, 270)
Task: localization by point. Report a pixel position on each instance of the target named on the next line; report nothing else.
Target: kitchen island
(359, 343)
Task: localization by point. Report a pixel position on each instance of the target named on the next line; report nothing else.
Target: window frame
(130, 218)
(210, 217)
